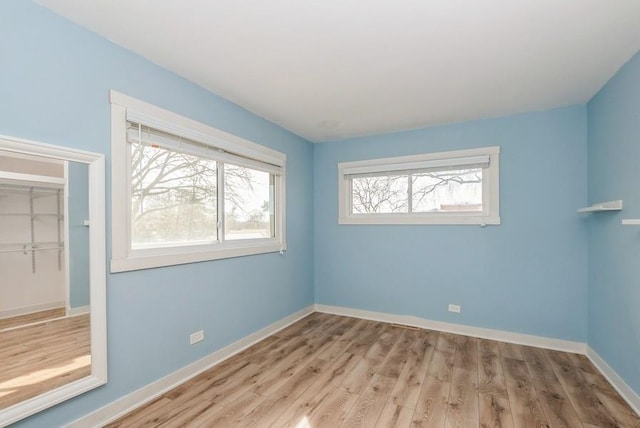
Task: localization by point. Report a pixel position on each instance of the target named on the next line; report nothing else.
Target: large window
(184, 192)
(459, 187)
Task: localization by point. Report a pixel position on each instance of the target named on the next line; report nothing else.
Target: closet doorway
(44, 275)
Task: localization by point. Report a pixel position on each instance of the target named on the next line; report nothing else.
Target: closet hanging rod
(28, 249)
(32, 215)
(6, 245)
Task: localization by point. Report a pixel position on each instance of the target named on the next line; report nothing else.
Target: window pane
(447, 191)
(173, 198)
(247, 203)
(380, 194)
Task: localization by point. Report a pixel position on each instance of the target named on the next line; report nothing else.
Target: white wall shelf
(602, 206)
(631, 221)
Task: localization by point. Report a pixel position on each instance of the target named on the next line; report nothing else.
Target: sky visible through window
(431, 191)
(174, 199)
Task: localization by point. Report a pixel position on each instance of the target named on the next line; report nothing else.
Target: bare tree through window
(174, 196)
(458, 190)
(247, 203)
(380, 194)
(423, 191)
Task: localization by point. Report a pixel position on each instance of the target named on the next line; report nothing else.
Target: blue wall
(54, 83)
(526, 275)
(78, 203)
(614, 250)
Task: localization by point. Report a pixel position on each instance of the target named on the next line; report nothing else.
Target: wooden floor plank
(446, 342)
(466, 353)
(327, 371)
(393, 416)
(226, 416)
(397, 356)
(282, 398)
(555, 402)
(413, 373)
(350, 333)
(463, 399)
(369, 333)
(441, 366)
(357, 380)
(432, 405)
(617, 407)
(184, 414)
(211, 380)
(511, 350)
(277, 374)
(495, 411)
(147, 414)
(589, 408)
(493, 400)
(332, 412)
(307, 324)
(40, 357)
(35, 317)
(379, 353)
(463, 396)
(367, 409)
(525, 406)
(490, 375)
(311, 399)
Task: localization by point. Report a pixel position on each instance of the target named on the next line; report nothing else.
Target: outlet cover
(196, 337)
(455, 308)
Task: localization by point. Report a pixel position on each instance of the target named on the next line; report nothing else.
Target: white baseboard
(8, 313)
(79, 310)
(629, 395)
(124, 405)
(483, 333)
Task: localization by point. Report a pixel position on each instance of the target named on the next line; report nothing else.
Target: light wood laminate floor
(22, 320)
(332, 371)
(41, 357)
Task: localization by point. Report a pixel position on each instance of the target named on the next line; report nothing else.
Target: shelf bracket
(603, 206)
(631, 222)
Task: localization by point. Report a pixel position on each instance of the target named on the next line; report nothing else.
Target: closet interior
(33, 284)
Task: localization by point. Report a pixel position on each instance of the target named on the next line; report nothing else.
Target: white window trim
(123, 259)
(490, 190)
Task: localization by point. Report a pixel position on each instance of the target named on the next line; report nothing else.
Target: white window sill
(416, 219)
(148, 261)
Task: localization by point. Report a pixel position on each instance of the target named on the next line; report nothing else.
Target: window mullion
(348, 197)
(220, 200)
(410, 193)
(272, 205)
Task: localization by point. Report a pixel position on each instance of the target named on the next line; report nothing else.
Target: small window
(459, 187)
(184, 192)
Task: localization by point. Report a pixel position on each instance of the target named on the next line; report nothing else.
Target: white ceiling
(331, 69)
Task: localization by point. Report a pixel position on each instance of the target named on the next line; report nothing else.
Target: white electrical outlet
(455, 308)
(196, 337)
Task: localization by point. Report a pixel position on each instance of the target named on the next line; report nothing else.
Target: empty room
(320, 214)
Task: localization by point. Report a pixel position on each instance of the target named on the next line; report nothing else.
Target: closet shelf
(602, 206)
(631, 221)
(27, 191)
